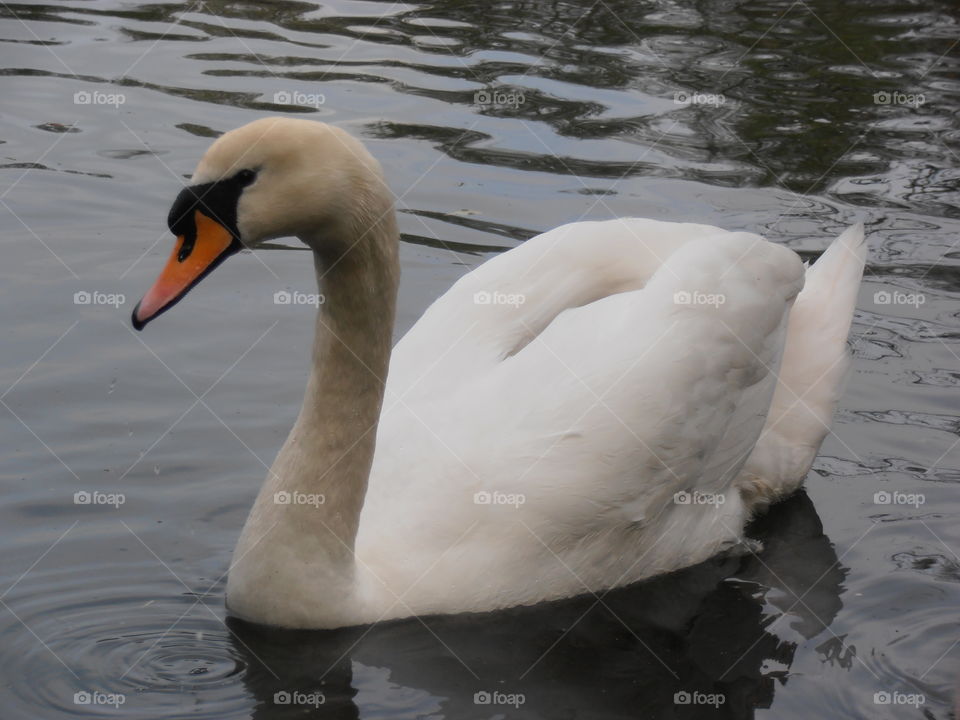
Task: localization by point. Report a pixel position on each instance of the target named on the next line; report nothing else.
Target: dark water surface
(851, 597)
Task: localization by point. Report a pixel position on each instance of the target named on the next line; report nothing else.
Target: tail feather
(814, 366)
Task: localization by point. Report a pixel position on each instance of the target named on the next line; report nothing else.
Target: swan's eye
(245, 177)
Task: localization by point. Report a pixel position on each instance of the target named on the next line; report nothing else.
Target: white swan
(545, 421)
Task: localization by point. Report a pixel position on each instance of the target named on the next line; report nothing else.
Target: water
(849, 598)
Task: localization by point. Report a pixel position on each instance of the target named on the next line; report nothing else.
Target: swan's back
(546, 418)
(493, 311)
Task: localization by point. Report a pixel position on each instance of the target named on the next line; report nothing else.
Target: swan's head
(274, 177)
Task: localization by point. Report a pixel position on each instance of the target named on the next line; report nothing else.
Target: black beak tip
(138, 325)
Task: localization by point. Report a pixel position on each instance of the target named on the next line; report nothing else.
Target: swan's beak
(194, 257)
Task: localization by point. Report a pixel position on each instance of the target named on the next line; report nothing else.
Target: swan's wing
(495, 310)
(601, 417)
(667, 387)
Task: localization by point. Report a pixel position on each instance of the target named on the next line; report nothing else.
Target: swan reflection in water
(729, 627)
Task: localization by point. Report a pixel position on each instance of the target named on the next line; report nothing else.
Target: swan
(609, 401)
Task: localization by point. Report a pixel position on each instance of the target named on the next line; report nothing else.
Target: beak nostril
(189, 240)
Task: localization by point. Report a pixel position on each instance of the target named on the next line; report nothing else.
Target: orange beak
(186, 266)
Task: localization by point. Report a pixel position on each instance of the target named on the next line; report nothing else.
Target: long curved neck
(294, 563)
(337, 426)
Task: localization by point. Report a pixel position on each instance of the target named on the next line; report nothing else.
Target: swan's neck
(295, 561)
(333, 439)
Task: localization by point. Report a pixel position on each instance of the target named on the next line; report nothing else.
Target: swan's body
(579, 401)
